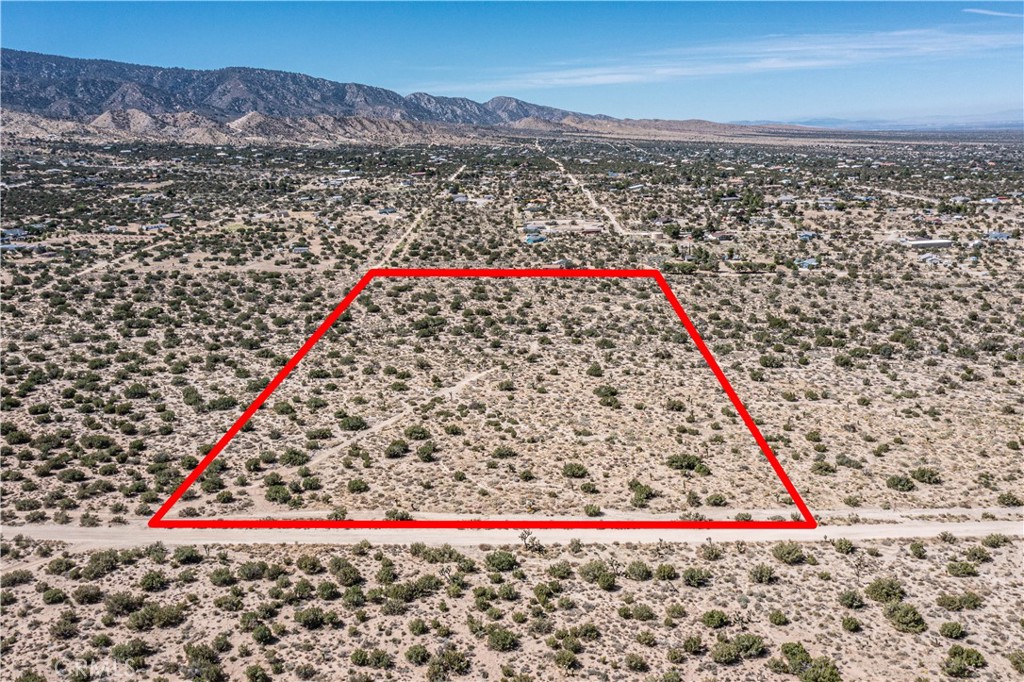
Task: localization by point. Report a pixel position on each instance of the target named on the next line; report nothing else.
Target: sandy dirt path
(893, 527)
(389, 251)
(586, 192)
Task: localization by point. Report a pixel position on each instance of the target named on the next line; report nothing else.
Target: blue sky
(721, 61)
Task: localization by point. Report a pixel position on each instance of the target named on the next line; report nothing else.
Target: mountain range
(48, 95)
(79, 89)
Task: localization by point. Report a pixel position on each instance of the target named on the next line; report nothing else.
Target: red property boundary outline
(158, 520)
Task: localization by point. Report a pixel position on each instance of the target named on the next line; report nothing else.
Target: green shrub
(417, 654)
(500, 639)
(904, 617)
(851, 599)
(638, 570)
(715, 619)
(762, 574)
(501, 561)
(961, 569)
(885, 590)
(952, 630)
(788, 552)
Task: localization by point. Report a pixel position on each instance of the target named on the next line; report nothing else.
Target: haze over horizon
(954, 62)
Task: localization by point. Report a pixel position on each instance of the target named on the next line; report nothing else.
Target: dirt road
(895, 526)
(382, 260)
(586, 192)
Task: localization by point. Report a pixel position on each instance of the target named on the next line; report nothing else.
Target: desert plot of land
(568, 397)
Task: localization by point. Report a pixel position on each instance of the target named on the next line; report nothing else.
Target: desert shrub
(904, 617)
(851, 624)
(788, 552)
(357, 485)
(153, 581)
(417, 654)
(646, 637)
(396, 449)
(561, 570)
(417, 432)
(500, 639)
(725, 653)
(978, 555)
(762, 574)
(688, 462)
(796, 658)
(638, 570)
(503, 452)
(715, 619)
(696, 577)
(749, 645)
(16, 577)
(885, 590)
(574, 470)
(777, 617)
(962, 661)
(666, 572)
(843, 546)
(636, 663)
(968, 600)
(851, 599)
(716, 500)
(309, 564)
(995, 540)
(87, 594)
(255, 673)
(1009, 500)
(446, 662)
(222, 577)
(501, 561)
(961, 569)
(821, 669)
(926, 475)
(917, 550)
(343, 570)
(566, 660)
(187, 554)
(952, 630)
(900, 483)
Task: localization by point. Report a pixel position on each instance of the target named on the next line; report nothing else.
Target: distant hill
(81, 89)
(47, 96)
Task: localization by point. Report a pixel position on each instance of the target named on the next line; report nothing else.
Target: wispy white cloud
(764, 55)
(993, 13)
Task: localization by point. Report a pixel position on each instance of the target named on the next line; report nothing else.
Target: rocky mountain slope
(64, 87)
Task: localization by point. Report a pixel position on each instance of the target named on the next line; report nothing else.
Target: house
(806, 236)
(300, 249)
(989, 200)
(721, 237)
(535, 239)
(960, 199)
(460, 199)
(563, 264)
(155, 226)
(806, 263)
(786, 199)
(929, 243)
(387, 211)
(531, 229)
(13, 233)
(997, 236)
